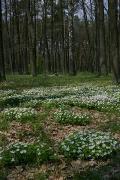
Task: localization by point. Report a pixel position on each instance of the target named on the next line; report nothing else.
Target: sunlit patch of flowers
(51, 91)
(20, 153)
(67, 117)
(89, 145)
(19, 113)
(98, 102)
(87, 95)
(99, 98)
(43, 93)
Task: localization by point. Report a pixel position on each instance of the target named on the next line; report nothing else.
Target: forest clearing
(69, 131)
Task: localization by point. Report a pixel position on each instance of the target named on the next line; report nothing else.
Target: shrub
(89, 145)
(66, 117)
(23, 153)
(19, 114)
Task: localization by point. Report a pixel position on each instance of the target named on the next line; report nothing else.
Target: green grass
(26, 81)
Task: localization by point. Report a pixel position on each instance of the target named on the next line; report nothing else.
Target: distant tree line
(59, 36)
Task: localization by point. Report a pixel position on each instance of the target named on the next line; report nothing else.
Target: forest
(59, 89)
(59, 37)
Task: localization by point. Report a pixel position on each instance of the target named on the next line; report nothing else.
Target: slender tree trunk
(2, 63)
(7, 35)
(52, 36)
(32, 37)
(89, 63)
(72, 70)
(47, 53)
(18, 48)
(26, 37)
(62, 35)
(115, 62)
(103, 58)
(97, 39)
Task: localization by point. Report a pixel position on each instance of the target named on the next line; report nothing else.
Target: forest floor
(47, 97)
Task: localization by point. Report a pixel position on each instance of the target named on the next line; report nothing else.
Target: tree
(59, 36)
(31, 12)
(114, 39)
(46, 48)
(72, 70)
(103, 58)
(2, 64)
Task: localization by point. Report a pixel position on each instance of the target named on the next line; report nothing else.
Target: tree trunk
(32, 37)
(72, 70)
(2, 64)
(115, 62)
(103, 58)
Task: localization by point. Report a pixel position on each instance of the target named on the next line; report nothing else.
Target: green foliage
(32, 103)
(20, 114)
(67, 117)
(49, 104)
(13, 100)
(89, 145)
(18, 81)
(23, 153)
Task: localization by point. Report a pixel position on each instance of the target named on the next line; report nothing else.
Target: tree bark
(2, 63)
(115, 62)
(72, 70)
(103, 58)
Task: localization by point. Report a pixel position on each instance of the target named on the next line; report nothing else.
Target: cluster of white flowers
(42, 93)
(89, 144)
(51, 91)
(4, 93)
(89, 96)
(99, 102)
(19, 113)
(93, 99)
(12, 150)
(67, 117)
(19, 152)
